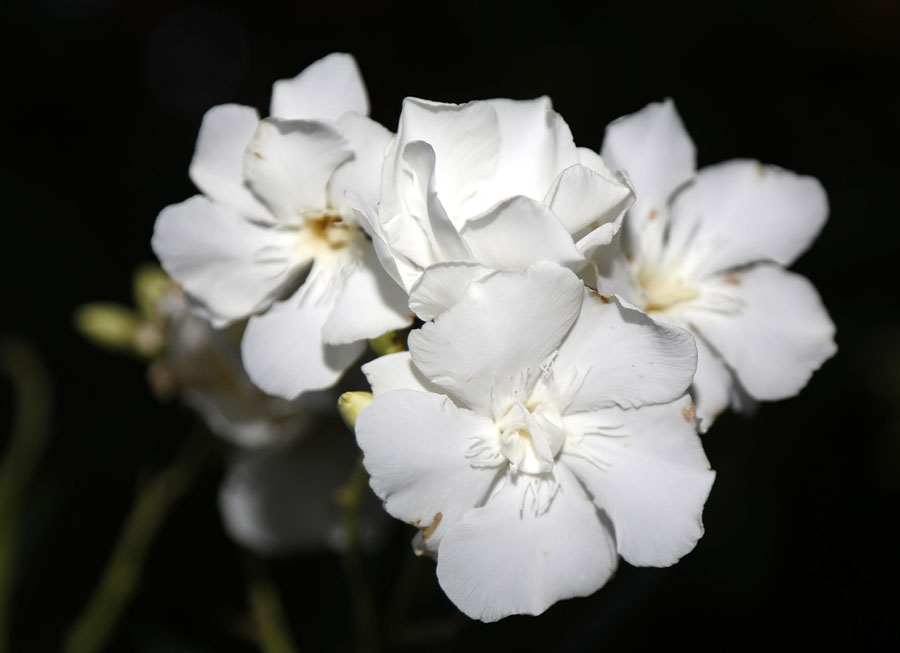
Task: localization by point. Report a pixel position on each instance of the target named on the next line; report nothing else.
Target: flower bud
(351, 403)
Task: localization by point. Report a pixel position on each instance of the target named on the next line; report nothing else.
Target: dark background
(103, 99)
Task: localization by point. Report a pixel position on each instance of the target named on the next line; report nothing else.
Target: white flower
(283, 498)
(202, 365)
(706, 251)
(533, 430)
(496, 184)
(272, 211)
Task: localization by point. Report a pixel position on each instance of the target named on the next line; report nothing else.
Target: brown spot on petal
(732, 279)
(429, 530)
(653, 214)
(689, 413)
(761, 170)
(258, 156)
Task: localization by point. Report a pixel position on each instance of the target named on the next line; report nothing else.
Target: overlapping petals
(508, 430)
(273, 219)
(703, 250)
(496, 183)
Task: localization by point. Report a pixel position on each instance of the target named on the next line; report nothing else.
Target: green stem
(94, 626)
(351, 497)
(29, 438)
(272, 629)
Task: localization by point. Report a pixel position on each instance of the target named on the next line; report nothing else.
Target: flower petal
(466, 141)
(414, 448)
(283, 351)
(232, 266)
(652, 481)
(288, 165)
(442, 285)
(396, 372)
(501, 560)
(324, 90)
(507, 323)
(625, 357)
(654, 149)
(582, 199)
(742, 212)
(218, 163)
(518, 232)
(712, 386)
(370, 303)
(777, 338)
(361, 174)
(281, 499)
(535, 145)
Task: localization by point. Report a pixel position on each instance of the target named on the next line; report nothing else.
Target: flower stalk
(94, 627)
(28, 441)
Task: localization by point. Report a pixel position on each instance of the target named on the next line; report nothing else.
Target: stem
(30, 434)
(94, 626)
(272, 629)
(350, 498)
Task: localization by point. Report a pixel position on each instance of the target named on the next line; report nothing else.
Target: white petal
(466, 141)
(370, 303)
(361, 174)
(444, 240)
(324, 90)
(518, 232)
(615, 276)
(507, 323)
(535, 146)
(742, 212)
(582, 198)
(587, 157)
(218, 163)
(288, 165)
(654, 148)
(442, 285)
(500, 560)
(283, 351)
(232, 266)
(365, 216)
(414, 446)
(653, 481)
(281, 499)
(712, 385)
(625, 357)
(778, 337)
(396, 372)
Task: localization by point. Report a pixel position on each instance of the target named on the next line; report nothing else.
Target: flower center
(531, 436)
(330, 229)
(664, 287)
(325, 234)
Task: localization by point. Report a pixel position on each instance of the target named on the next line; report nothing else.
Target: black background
(103, 99)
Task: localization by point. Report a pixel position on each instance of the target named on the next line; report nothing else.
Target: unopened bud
(108, 325)
(149, 285)
(351, 403)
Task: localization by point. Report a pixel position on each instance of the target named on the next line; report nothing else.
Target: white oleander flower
(495, 184)
(284, 498)
(533, 430)
(706, 250)
(271, 237)
(202, 366)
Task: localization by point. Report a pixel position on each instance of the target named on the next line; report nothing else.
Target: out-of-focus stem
(272, 629)
(350, 498)
(28, 440)
(94, 626)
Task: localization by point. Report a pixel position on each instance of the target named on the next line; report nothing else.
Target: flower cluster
(583, 316)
